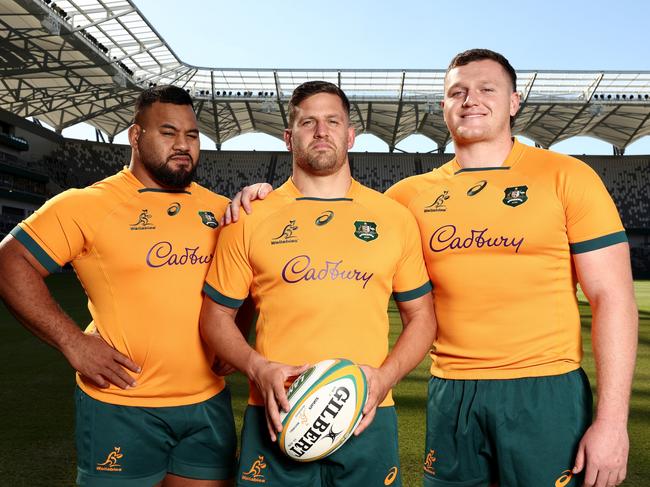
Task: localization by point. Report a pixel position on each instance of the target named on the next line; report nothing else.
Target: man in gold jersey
(321, 257)
(507, 231)
(149, 408)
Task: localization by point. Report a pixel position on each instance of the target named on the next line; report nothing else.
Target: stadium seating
(76, 163)
(381, 170)
(628, 181)
(227, 172)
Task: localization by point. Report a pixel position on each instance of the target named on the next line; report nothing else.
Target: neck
(141, 174)
(483, 154)
(334, 185)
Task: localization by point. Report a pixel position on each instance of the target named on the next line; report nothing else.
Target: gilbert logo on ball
(325, 404)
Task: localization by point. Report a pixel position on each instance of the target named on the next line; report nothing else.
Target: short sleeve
(411, 279)
(56, 233)
(230, 274)
(592, 219)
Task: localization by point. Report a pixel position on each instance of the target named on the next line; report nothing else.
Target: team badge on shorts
(256, 472)
(208, 219)
(365, 231)
(111, 464)
(515, 195)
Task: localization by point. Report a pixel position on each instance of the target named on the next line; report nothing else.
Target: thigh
(457, 450)
(119, 445)
(262, 462)
(207, 444)
(538, 424)
(370, 459)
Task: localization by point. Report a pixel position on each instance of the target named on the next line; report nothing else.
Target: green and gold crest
(515, 195)
(208, 219)
(365, 231)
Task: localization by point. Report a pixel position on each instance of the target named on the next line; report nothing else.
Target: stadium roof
(87, 60)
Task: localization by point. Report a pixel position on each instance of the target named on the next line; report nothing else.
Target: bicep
(420, 308)
(605, 272)
(14, 256)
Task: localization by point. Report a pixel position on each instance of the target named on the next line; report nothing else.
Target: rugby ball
(325, 405)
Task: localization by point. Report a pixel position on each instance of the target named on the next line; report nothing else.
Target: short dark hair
(162, 94)
(310, 88)
(471, 55)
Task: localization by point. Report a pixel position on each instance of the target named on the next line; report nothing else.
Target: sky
(409, 34)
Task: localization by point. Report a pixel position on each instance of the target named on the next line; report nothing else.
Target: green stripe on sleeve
(39, 254)
(598, 243)
(414, 293)
(219, 298)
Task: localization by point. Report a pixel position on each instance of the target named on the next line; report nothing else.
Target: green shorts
(515, 432)
(137, 446)
(369, 459)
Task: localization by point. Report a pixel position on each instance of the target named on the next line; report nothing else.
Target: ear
(287, 139)
(134, 135)
(515, 102)
(351, 137)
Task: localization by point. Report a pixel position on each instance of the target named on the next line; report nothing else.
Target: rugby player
(517, 229)
(321, 257)
(149, 408)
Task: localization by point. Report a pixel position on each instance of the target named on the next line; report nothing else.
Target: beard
(318, 163)
(164, 175)
(162, 172)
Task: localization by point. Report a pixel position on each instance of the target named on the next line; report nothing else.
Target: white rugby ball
(325, 405)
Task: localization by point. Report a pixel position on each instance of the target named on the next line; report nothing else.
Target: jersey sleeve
(230, 274)
(57, 232)
(411, 279)
(592, 219)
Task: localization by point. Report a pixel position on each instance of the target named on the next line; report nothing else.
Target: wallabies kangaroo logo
(111, 462)
(255, 471)
(287, 235)
(429, 461)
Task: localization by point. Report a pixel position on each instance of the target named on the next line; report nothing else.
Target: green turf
(36, 410)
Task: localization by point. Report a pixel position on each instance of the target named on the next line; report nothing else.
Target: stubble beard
(318, 163)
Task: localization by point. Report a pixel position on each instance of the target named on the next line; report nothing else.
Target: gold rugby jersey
(141, 255)
(321, 272)
(497, 243)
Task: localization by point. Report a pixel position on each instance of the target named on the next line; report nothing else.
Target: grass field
(36, 410)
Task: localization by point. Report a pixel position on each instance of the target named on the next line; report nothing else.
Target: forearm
(614, 341)
(409, 350)
(415, 341)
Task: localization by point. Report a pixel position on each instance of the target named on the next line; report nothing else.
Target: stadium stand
(76, 163)
(628, 181)
(381, 170)
(282, 169)
(227, 172)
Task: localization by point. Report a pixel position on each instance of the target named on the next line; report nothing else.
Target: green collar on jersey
(158, 190)
(476, 169)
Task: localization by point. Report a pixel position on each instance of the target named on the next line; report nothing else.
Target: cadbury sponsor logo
(322, 423)
(299, 269)
(163, 254)
(445, 238)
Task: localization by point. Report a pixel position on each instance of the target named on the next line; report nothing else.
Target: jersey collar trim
(515, 154)
(294, 192)
(159, 190)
